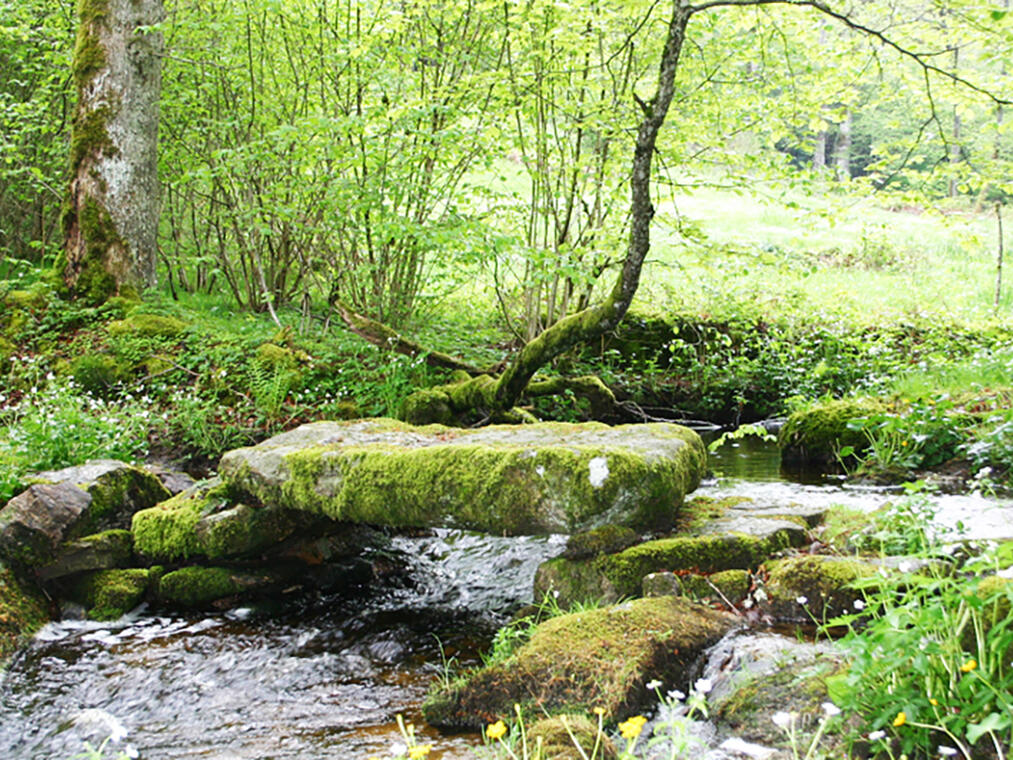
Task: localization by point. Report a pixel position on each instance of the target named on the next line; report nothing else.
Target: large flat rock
(505, 479)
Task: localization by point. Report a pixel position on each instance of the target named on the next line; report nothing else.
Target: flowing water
(326, 679)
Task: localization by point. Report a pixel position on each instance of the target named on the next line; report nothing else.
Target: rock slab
(504, 479)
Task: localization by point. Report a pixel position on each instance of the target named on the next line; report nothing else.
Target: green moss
(7, 349)
(606, 539)
(108, 594)
(577, 662)
(731, 585)
(276, 357)
(200, 586)
(426, 407)
(94, 282)
(97, 373)
(23, 610)
(704, 554)
(118, 494)
(167, 532)
(700, 510)
(824, 582)
(148, 325)
(90, 137)
(819, 432)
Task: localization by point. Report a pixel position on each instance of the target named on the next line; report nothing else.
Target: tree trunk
(597, 320)
(842, 151)
(111, 217)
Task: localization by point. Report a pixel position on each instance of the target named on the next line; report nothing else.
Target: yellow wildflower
(900, 720)
(934, 702)
(630, 729)
(968, 666)
(419, 751)
(496, 730)
(599, 711)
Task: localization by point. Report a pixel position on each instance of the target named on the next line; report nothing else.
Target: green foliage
(922, 434)
(57, 425)
(929, 652)
(903, 527)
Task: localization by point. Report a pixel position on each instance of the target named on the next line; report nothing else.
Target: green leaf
(993, 722)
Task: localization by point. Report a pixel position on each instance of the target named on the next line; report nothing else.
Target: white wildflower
(875, 736)
(802, 600)
(859, 605)
(945, 751)
(654, 685)
(675, 695)
(782, 719)
(703, 685)
(830, 709)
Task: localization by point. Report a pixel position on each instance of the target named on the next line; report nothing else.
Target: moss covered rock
(100, 551)
(542, 478)
(63, 505)
(97, 373)
(725, 587)
(575, 663)
(818, 433)
(23, 610)
(607, 539)
(813, 586)
(613, 576)
(148, 326)
(109, 594)
(204, 587)
(203, 521)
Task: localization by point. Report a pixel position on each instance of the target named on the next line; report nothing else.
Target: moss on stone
(167, 532)
(575, 663)
(570, 737)
(23, 610)
(703, 554)
(819, 432)
(117, 495)
(700, 510)
(824, 582)
(108, 594)
(731, 586)
(148, 325)
(425, 407)
(573, 581)
(200, 587)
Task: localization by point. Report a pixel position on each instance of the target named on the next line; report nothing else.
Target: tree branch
(844, 18)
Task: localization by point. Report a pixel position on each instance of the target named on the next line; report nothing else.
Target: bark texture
(111, 218)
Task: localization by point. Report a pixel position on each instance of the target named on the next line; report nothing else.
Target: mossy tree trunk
(111, 216)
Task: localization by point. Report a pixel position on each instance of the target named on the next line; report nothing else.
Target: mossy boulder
(818, 433)
(203, 521)
(813, 586)
(613, 576)
(148, 326)
(279, 358)
(198, 587)
(504, 479)
(100, 551)
(575, 663)
(63, 505)
(23, 610)
(570, 737)
(109, 594)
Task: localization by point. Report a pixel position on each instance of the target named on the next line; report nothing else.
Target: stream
(327, 677)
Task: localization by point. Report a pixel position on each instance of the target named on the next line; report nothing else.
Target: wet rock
(571, 737)
(598, 658)
(204, 522)
(756, 675)
(199, 587)
(813, 587)
(63, 505)
(506, 479)
(101, 551)
(758, 527)
(109, 594)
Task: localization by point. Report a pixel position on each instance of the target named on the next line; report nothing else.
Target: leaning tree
(496, 392)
